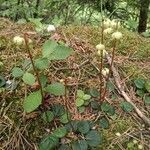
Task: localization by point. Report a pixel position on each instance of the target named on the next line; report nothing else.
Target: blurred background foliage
(132, 13)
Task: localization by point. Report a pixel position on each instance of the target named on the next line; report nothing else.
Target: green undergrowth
(117, 130)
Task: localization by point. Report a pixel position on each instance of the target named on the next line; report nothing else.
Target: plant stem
(101, 60)
(111, 64)
(32, 62)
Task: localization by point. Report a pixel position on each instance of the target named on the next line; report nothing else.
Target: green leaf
(110, 86)
(48, 48)
(104, 123)
(60, 52)
(140, 93)
(64, 147)
(60, 132)
(79, 102)
(48, 116)
(43, 80)
(49, 143)
(56, 88)
(147, 100)
(81, 109)
(17, 72)
(139, 83)
(93, 138)
(58, 110)
(64, 118)
(80, 145)
(86, 97)
(95, 104)
(32, 101)
(147, 86)
(94, 92)
(42, 63)
(83, 127)
(29, 78)
(80, 93)
(126, 106)
(2, 81)
(107, 108)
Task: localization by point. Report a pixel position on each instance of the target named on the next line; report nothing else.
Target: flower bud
(51, 28)
(135, 141)
(117, 35)
(140, 146)
(105, 72)
(108, 31)
(99, 52)
(100, 47)
(18, 40)
(107, 23)
(118, 134)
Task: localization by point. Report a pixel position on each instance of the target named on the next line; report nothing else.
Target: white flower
(140, 146)
(107, 23)
(118, 134)
(51, 28)
(100, 47)
(105, 72)
(135, 141)
(117, 35)
(99, 52)
(18, 40)
(115, 24)
(108, 31)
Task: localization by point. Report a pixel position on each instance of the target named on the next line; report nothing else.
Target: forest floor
(24, 131)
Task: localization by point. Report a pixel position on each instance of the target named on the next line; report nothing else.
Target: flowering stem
(32, 62)
(111, 64)
(101, 61)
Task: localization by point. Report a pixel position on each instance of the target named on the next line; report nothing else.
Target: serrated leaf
(42, 63)
(147, 86)
(139, 83)
(104, 123)
(48, 48)
(32, 101)
(107, 108)
(126, 106)
(140, 93)
(49, 143)
(93, 138)
(79, 102)
(60, 52)
(110, 86)
(48, 116)
(58, 110)
(86, 97)
(81, 109)
(43, 80)
(80, 145)
(2, 81)
(80, 93)
(28, 78)
(64, 118)
(94, 92)
(147, 100)
(83, 127)
(17, 72)
(56, 88)
(60, 132)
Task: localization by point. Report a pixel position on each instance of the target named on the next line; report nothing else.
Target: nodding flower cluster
(18, 40)
(110, 27)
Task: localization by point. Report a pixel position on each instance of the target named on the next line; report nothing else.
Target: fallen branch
(123, 93)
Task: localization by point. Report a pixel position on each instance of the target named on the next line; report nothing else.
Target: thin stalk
(66, 107)
(32, 62)
(101, 60)
(111, 64)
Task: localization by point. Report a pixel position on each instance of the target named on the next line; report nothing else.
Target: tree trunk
(144, 8)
